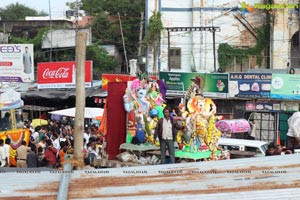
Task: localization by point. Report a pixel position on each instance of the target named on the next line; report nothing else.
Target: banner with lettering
(250, 85)
(61, 74)
(16, 63)
(285, 86)
(214, 85)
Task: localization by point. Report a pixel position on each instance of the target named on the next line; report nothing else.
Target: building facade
(236, 23)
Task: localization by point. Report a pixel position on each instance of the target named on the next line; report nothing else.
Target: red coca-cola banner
(61, 74)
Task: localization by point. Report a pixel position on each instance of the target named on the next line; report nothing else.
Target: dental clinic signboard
(214, 85)
(285, 86)
(250, 85)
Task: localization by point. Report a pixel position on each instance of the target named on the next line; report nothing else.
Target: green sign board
(285, 86)
(214, 85)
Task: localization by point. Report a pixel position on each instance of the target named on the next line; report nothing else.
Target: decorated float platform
(141, 148)
(144, 103)
(151, 149)
(195, 156)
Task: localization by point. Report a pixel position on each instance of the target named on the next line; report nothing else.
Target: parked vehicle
(258, 147)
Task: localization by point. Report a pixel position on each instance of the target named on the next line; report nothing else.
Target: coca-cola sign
(61, 74)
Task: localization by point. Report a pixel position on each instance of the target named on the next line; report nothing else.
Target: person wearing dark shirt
(5, 122)
(32, 158)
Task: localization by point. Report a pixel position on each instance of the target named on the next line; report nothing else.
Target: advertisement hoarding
(61, 74)
(285, 86)
(214, 84)
(16, 63)
(250, 85)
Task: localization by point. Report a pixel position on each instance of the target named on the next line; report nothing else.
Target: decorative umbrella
(38, 122)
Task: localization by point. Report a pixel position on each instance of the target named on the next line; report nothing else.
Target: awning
(89, 112)
(37, 108)
(59, 94)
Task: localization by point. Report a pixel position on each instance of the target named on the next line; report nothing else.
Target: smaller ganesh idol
(155, 98)
(141, 104)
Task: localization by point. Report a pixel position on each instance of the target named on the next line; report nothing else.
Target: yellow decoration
(16, 137)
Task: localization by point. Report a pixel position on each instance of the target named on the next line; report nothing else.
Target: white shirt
(167, 129)
(43, 145)
(294, 125)
(2, 157)
(35, 135)
(86, 137)
(6, 152)
(56, 144)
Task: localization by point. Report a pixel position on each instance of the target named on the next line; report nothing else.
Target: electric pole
(80, 97)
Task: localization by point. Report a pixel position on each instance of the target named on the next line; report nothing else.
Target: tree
(102, 62)
(154, 29)
(106, 26)
(18, 12)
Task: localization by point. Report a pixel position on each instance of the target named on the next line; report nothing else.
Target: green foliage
(226, 53)
(108, 30)
(36, 41)
(18, 12)
(101, 60)
(154, 29)
(103, 29)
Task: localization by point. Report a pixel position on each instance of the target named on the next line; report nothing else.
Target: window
(175, 58)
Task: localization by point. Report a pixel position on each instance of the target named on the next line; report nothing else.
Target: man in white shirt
(6, 147)
(2, 154)
(55, 141)
(293, 134)
(165, 131)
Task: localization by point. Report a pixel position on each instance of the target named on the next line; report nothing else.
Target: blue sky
(58, 7)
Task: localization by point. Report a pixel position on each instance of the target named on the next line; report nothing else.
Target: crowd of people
(49, 144)
(278, 149)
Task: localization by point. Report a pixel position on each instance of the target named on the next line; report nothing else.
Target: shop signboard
(289, 106)
(263, 106)
(61, 74)
(285, 86)
(106, 78)
(213, 84)
(250, 85)
(16, 63)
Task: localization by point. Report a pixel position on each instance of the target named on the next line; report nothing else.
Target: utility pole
(80, 97)
(123, 43)
(50, 31)
(141, 34)
(169, 56)
(80, 44)
(155, 47)
(214, 49)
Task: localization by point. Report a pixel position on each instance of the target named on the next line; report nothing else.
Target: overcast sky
(58, 7)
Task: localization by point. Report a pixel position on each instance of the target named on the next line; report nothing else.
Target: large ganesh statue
(200, 131)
